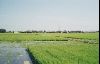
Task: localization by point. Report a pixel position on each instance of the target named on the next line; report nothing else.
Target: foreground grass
(69, 52)
(46, 36)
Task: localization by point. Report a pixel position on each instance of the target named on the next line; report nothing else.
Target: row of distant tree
(35, 31)
(55, 31)
(2, 30)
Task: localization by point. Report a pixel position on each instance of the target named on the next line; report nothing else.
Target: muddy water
(13, 54)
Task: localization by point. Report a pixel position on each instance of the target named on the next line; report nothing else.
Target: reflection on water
(13, 54)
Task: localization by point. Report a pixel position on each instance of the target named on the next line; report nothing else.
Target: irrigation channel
(14, 54)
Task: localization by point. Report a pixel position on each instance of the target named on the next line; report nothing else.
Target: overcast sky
(49, 14)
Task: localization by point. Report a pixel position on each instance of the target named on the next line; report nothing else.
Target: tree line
(44, 31)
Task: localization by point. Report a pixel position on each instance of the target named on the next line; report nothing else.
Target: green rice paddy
(58, 48)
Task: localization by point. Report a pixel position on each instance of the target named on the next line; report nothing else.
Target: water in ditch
(13, 54)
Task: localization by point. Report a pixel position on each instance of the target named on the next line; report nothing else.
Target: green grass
(46, 36)
(70, 52)
(59, 48)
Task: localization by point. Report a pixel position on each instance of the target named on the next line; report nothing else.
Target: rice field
(70, 52)
(46, 36)
(58, 48)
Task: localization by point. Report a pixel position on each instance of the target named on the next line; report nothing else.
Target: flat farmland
(46, 36)
(57, 48)
(70, 52)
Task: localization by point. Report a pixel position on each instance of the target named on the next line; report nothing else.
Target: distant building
(16, 32)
